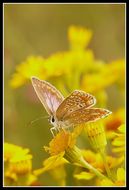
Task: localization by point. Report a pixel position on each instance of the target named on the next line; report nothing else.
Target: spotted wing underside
(75, 101)
(86, 115)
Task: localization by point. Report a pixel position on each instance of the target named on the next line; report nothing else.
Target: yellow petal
(122, 128)
(120, 174)
(84, 176)
(119, 150)
(61, 142)
(119, 141)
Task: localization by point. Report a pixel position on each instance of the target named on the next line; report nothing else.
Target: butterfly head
(52, 120)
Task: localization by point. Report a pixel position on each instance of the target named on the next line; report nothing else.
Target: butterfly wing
(86, 115)
(76, 100)
(49, 96)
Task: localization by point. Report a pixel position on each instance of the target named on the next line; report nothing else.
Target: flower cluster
(88, 72)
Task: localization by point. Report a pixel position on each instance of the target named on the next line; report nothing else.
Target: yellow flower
(93, 159)
(64, 144)
(96, 161)
(58, 147)
(53, 66)
(60, 143)
(63, 140)
(17, 165)
(120, 181)
(79, 37)
(107, 75)
(21, 166)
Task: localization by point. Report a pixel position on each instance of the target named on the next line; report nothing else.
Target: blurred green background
(41, 29)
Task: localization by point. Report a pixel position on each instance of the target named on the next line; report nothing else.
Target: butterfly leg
(53, 128)
(58, 128)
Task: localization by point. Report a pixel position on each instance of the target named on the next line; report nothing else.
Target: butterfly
(70, 111)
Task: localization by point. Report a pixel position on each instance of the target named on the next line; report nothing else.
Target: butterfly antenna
(33, 121)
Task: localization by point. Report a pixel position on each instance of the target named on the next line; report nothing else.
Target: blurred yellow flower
(14, 152)
(88, 74)
(93, 159)
(117, 68)
(53, 67)
(17, 165)
(107, 75)
(32, 66)
(79, 37)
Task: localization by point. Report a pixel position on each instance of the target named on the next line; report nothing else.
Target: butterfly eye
(53, 119)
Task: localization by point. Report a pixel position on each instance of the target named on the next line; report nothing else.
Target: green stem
(102, 152)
